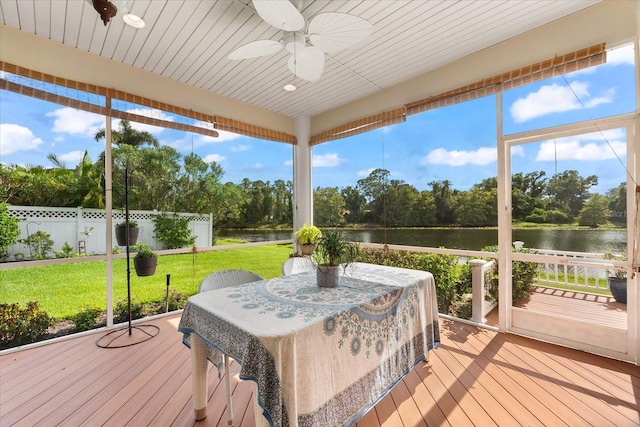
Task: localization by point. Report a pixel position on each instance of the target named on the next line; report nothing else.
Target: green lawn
(62, 290)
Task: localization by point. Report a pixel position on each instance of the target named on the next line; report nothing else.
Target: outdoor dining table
(318, 356)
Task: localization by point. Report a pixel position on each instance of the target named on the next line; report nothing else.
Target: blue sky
(456, 143)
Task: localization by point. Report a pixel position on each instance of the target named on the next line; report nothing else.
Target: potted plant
(307, 236)
(617, 281)
(121, 233)
(333, 251)
(145, 261)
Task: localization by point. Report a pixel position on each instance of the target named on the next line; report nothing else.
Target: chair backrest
(297, 265)
(225, 278)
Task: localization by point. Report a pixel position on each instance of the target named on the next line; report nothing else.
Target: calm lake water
(472, 239)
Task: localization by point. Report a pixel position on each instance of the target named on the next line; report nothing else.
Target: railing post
(477, 280)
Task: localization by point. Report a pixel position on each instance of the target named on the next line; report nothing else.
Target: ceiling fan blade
(307, 64)
(256, 49)
(333, 31)
(280, 13)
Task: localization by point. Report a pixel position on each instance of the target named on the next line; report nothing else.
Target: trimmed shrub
(523, 274)
(121, 310)
(173, 231)
(9, 231)
(22, 326)
(449, 275)
(86, 319)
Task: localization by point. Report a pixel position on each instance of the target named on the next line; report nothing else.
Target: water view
(472, 239)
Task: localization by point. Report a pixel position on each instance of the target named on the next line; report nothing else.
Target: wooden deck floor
(477, 377)
(582, 306)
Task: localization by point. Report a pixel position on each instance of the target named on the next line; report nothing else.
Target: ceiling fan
(326, 33)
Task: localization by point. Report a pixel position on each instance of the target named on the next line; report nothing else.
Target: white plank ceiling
(189, 40)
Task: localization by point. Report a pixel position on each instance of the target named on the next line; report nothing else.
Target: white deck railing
(586, 271)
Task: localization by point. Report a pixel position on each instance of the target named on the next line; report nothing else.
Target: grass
(62, 290)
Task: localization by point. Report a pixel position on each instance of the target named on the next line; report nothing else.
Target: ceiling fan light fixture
(294, 40)
(280, 14)
(109, 9)
(133, 20)
(327, 32)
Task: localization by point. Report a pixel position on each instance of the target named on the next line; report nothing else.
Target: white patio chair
(224, 279)
(297, 265)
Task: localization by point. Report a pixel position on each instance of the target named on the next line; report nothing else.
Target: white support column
(504, 224)
(108, 200)
(302, 182)
(633, 151)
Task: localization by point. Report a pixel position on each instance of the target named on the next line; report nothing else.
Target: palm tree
(127, 135)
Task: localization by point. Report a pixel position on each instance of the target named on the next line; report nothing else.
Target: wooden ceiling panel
(189, 41)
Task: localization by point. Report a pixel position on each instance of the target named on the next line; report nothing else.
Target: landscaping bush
(177, 300)
(40, 244)
(523, 274)
(449, 275)
(173, 231)
(86, 319)
(9, 230)
(121, 310)
(22, 326)
(67, 251)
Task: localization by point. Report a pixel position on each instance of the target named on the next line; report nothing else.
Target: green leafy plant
(40, 244)
(173, 230)
(333, 249)
(308, 234)
(143, 251)
(67, 251)
(22, 326)
(124, 224)
(9, 231)
(450, 276)
(523, 274)
(617, 273)
(177, 300)
(86, 319)
(121, 310)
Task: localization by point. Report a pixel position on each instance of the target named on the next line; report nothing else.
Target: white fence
(85, 229)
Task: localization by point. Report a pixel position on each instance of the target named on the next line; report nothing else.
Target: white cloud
(73, 157)
(584, 147)
(555, 98)
(240, 148)
(223, 135)
(288, 163)
(517, 150)
(623, 55)
(330, 160)
(14, 138)
(76, 122)
(440, 156)
(258, 166)
(214, 158)
(365, 172)
(146, 112)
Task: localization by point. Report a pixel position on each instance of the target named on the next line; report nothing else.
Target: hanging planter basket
(121, 235)
(145, 266)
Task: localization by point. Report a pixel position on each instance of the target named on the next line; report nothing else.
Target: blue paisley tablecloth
(320, 356)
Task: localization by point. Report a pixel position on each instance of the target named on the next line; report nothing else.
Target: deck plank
(476, 377)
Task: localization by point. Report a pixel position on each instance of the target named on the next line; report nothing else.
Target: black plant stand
(130, 335)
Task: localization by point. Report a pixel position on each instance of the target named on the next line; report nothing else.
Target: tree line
(160, 178)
